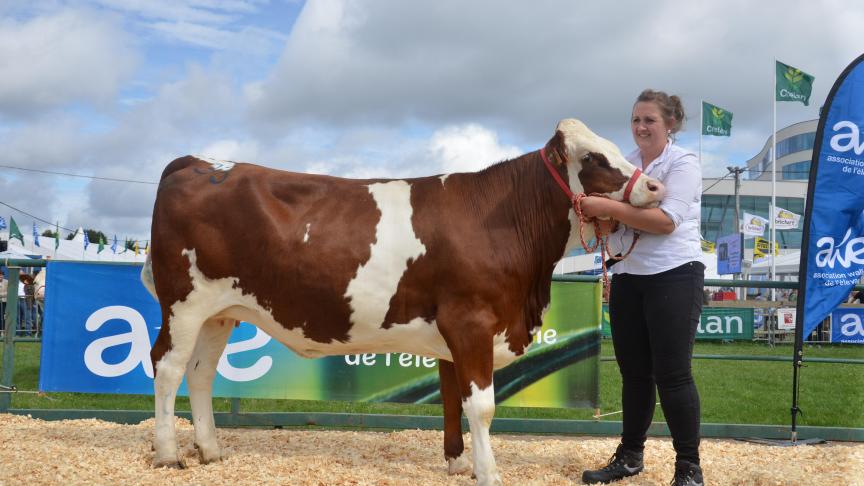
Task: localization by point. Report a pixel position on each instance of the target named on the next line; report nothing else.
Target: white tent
(787, 264)
(71, 250)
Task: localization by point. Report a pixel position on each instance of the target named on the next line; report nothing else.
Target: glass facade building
(718, 216)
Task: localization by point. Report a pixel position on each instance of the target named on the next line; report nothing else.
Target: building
(794, 153)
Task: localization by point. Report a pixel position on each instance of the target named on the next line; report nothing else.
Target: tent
(786, 264)
(71, 250)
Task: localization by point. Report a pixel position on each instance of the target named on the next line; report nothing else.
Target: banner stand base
(784, 443)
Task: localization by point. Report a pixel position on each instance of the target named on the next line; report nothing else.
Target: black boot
(622, 464)
(687, 474)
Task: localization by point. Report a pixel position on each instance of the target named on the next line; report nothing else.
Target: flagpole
(701, 127)
(773, 181)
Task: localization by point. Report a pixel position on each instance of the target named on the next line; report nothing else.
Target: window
(798, 171)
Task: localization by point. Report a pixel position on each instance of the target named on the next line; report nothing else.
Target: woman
(656, 295)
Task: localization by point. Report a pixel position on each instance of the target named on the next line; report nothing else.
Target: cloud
(468, 148)
(523, 69)
(62, 58)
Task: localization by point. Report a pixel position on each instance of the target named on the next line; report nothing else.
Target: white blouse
(679, 170)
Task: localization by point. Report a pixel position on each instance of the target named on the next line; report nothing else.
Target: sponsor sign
(715, 323)
(833, 242)
(847, 326)
(753, 225)
(100, 324)
(729, 254)
(786, 318)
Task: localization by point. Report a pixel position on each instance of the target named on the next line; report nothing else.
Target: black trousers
(654, 320)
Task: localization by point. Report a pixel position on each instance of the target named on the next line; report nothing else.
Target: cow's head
(595, 165)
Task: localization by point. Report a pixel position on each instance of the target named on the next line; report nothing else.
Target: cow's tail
(147, 278)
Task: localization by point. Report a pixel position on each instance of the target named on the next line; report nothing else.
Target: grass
(735, 392)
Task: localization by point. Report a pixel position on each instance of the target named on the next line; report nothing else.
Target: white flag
(785, 219)
(753, 225)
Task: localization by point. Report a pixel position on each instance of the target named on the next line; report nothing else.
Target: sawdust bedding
(70, 452)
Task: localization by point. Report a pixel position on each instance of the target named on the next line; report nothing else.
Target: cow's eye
(586, 157)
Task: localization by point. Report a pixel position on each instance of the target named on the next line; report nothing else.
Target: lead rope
(601, 241)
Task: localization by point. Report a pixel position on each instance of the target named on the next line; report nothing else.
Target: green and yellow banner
(716, 121)
(793, 84)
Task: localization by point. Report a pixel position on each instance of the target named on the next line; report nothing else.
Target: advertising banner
(846, 326)
(832, 258)
(761, 246)
(786, 318)
(753, 225)
(729, 254)
(715, 323)
(100, 324)
(785, 219)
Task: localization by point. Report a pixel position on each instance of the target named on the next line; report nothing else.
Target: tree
(94, 235)
(49, 234)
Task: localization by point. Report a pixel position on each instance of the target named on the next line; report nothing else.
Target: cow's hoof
(459, 465)
(207, 458)
(491, 480)
(171, 463)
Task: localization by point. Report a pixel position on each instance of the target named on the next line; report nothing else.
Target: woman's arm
(652, 220)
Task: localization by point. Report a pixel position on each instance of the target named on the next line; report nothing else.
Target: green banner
(724, 323)
(716, 120)
(793, 84)
(559, 370)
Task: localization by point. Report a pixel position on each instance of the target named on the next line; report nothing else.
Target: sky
(116, 89)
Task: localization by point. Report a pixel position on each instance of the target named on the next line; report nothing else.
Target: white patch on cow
(223, 165)
(580, 140)
(501, 353)
(443, 178)
(306, 235)
(395, 246)
(459, 465)
(479, 408)
(223, 298)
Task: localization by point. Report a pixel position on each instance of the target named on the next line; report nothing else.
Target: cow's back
(283, 236)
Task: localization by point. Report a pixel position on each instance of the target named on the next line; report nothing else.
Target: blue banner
(834, 234)
(847, 326)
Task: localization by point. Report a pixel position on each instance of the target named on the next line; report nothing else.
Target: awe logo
(828, 255)
(846, 140)
(851, 326)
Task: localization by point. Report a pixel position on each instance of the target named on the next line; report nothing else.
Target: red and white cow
(455, 267)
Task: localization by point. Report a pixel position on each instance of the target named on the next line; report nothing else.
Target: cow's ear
(558, 149)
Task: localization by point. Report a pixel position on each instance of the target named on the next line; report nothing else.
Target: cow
(456, 267)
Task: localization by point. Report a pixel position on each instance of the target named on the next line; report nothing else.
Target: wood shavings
(71, 452)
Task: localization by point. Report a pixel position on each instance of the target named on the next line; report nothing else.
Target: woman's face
(649, 128)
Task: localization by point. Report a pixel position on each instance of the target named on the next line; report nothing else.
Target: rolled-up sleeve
(683, 184)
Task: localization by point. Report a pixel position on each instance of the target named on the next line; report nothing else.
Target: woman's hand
(596, 207)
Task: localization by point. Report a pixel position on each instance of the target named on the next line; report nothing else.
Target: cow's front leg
(474, 375)
(454, 447)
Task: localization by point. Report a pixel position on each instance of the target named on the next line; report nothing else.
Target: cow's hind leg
(454, 447)
(200, 372)
(170, 354)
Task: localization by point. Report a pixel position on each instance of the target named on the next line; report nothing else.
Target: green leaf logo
(793, 75)
(717, 113)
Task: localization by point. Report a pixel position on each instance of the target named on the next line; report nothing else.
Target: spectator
(4, 286)
(26, 305)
